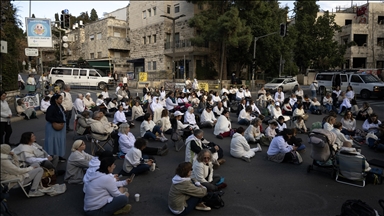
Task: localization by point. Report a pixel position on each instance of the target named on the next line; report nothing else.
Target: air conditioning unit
(128, 40)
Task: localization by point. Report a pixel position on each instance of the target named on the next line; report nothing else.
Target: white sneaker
(259, 146)
(46, 190)
(165, 138)
(35, 193)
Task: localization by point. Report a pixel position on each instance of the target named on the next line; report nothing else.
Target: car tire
(365, 94)
(102, 85)
(60, 84)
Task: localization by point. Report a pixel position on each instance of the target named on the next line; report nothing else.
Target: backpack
(214, 200)
(357, 208)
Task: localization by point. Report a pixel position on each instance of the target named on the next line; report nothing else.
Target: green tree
(84, 17)
(93, 16)
(329, 54)
(305, 47)
(12, 33)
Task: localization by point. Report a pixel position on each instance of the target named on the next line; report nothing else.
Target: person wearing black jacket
(54, 142)
(145, 89)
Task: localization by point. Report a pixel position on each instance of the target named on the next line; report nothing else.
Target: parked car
(79, 76)
(286, 84)
(363, 84)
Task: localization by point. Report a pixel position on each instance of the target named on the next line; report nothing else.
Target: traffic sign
(31, 52)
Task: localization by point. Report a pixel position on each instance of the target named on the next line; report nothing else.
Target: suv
(79, 77)
(286, 84)
(363, 84)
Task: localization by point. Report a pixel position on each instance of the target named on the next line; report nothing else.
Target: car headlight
(376, 88)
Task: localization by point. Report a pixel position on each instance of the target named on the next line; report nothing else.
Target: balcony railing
(183, 43)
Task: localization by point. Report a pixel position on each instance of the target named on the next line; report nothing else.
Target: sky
(47, 9)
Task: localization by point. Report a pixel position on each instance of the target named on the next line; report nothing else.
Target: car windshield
(277, 81)
(101, 72)
(368, 78)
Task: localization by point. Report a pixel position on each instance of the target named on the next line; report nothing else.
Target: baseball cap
(178, 113)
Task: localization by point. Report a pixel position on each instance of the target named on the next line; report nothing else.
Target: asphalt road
(261, 187)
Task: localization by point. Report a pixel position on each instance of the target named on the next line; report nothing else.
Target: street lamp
(173, 42)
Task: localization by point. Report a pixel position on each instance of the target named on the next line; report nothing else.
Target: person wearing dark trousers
(68, 105)
(5, 120)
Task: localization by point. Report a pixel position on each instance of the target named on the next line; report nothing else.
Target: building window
(360, 39)
(380, 20)
(359, 62)
(168, 9)
(380, 42)
(92, 55)
(144, 14)
(149, 66)
(154, 11)
(200, 6)
(149, 39)
(149, 13)
(99, 55)
(154, 38)
(92, 37)
(116, 34)
(177, 8)
(98, 36)
(144, 40)
(154, 65)
(348, 22)
(116, 54)
(177, 37)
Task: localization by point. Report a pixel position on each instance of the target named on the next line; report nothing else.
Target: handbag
(57, 126)
(214, 200)
(49, 177)
(296, 157)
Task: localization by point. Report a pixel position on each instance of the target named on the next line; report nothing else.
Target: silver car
(286, 84)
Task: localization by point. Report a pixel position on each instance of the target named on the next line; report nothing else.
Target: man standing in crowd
(5, 121)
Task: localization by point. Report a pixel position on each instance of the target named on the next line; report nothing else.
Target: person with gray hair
(348, 149)
(79, 104)
(190, 118)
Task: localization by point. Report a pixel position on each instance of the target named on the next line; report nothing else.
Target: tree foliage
(13, 34)
(93, 16)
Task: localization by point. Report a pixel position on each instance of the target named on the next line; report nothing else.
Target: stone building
(151, 39)
(104, 43)
(365, 26)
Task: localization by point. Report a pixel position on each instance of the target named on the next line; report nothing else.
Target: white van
(79, 77)
(363, 84)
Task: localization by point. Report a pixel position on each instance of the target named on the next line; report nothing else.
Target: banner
(203, 86)
(30, 101)
(143, 76)
(39, 32)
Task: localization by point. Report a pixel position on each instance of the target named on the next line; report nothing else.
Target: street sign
(31, 52)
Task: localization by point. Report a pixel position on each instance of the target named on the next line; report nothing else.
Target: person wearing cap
(78, 105)
(118, 87)
(276, 112)
(313, 87)
(77, 163)
(180, 126)
(208, 119)
(88, 101)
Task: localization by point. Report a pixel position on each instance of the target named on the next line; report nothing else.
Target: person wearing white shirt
(293, 101)
(88, 102)
(170, 102)
(162, 92)
(350, 94)
(189, 118)
(216, 98)
(245, 116)
(299, 111)
(337, 91)
(218, 109)
(239, 94)
(165, 122)
(270, 131)
(112, 105)
(281, 124)
(137, 112)
(188, 83)
(125, 80)
(299, 93)
(68, 105)
(239, 147)
(31, 80)
(277, 112)
(79, 104)
(279, 96)
(315, 105)
(329, 124)
(371, 124)
(247, 94)
(118, 88)
(224, 89)
(119, 116)
(207, 118)
(313, 87)
(253, 134)
(223, 126)
(279, 151)
(126, 138)
(328, 102)
(105, 93)
(20, 82)
(255, 109)
(345, 105)
(45, 103)
(148, 129)
(349, 124)
(340, 137)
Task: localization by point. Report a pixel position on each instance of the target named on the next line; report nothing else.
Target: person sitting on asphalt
(102, 197)
(296, 141)
(207, 118)
(99, 129)
(328, 125)
(170, 102)
(354, 108)
(348, 149)
(315, 106)
(376, 142)
(279, 96)
(216, 97)
(45, 103)
(364, 112)
(255, 109)
(349, 124)
(306, 102)
(186, 193)
(279, 151)
(239, 147)
(223, 126)
(137, 112)
(10, 169)
(328, 102)
(300, 125)
(340, 137)
(202, 171)
(245, 116)
(101, 103)
(195, 143)
(165, 121)
(32, 153)
(280, 124)
(77, 163)
(350, 94)
(135, 162)
(299, 111)
(277, 112)
(371, 125)
(218, 109)
(202, 104)
(148, 129)
(345, 105)
(241, 106)
(299, 93)
(240, 94)
(121, 93)
(287, 108)
(190, 119)
(270, 131)
(112, 105)
(27, 112)
(253, 133)
(119, 116)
